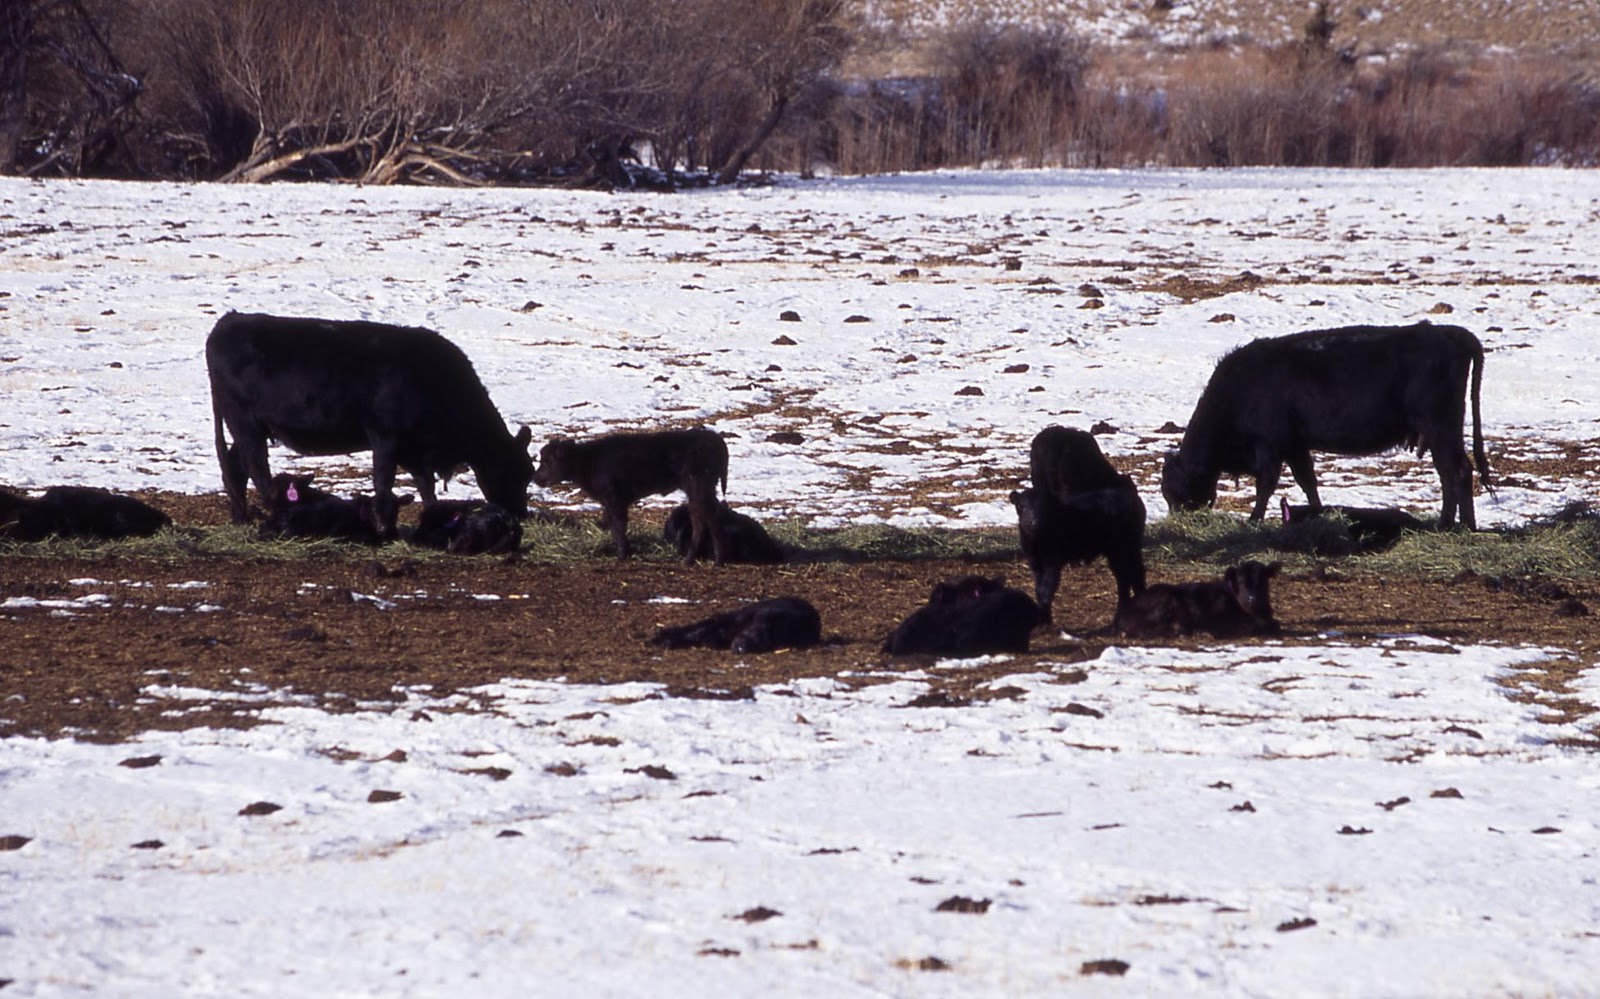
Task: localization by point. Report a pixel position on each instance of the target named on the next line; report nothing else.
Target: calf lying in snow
(747, 540)
(618, 470)
(467, 527)
(969, 616)
(780, 623)
(1083, 527)
(1237, 604)
(77, 512)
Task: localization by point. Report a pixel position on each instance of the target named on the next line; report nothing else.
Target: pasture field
(252, 768)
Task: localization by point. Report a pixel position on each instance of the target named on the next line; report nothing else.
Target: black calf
(77, 511)
(969, 616)
(618, 470)
(1065, 461)
(1237, 604)
(1371, 528)
(1083, 527)
(467, 527)
(780, 623)
(747, 540)
(324, 516)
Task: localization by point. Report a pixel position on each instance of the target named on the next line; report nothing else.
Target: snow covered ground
(1340, 820)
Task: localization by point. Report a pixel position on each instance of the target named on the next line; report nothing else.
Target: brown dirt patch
(351, 628)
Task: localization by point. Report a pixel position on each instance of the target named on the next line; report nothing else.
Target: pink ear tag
(293, 494)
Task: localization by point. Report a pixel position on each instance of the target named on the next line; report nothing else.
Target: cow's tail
(222, 440)
(1478, 456)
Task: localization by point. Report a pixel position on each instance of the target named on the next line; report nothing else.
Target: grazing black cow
(618, 470)
(77, 512)
(1353, 390)
(1371, 528)
(969, 616)
(1237, 604)
(747, 540)
(467, 527)
(1065, 460)
(1083, 527)
(322, 515)
(324, 386)
(780, 623)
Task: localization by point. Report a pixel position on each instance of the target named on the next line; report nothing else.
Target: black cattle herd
(412, 398)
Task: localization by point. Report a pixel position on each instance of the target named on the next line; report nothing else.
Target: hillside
(1558, 27)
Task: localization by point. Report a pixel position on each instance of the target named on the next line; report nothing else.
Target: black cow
(467, 527)
(1081, 528)
(618, 470)
(747, 540)
(1354, 390)
(1371, 528)
(968, 616)
(322, 515)
(780, 623)
(324, 386)
(1237, 604)
(77, 512)
(1065, 460)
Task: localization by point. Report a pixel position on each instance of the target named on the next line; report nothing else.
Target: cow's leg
(1046, 579)
(250, 454)
(1268, 472)
(384, 507)
(703, 520)
(1305, 476)
(1455, 482)
(235, 481)
(615, 516)
(422, 478)
(1127, 567)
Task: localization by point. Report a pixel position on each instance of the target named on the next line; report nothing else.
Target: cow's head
(504, 480)
(1187, 486)
(555, 463)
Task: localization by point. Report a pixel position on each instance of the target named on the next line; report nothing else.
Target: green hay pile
(1566, 547)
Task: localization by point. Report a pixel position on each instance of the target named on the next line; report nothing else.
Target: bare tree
(788, 45)
(64, 95)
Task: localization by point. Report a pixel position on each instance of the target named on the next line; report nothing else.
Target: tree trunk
(730, 171)
(16, 36)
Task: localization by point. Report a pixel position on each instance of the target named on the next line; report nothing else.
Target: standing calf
(1085, 526)
(1064, 461)
(618, 470)
(1237, 604)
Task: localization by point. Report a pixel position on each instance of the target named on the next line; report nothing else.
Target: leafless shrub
(65, 99)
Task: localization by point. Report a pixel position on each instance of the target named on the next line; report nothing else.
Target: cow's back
(1355, 389)
(320, 386)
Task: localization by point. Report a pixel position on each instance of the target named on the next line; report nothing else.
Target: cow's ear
(1231, 577)
(524, 437)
